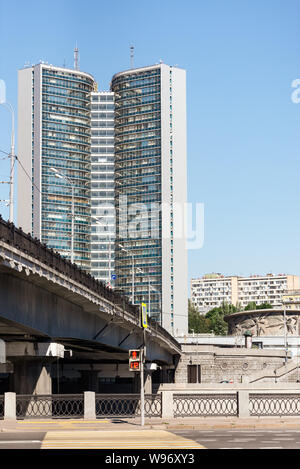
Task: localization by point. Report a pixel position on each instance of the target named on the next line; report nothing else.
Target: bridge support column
(31, 377)
(148, 382)
(89, 380)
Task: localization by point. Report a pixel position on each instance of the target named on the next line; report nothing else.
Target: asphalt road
(21, 440)
(210, 439)
(244, 439)
(85, 439)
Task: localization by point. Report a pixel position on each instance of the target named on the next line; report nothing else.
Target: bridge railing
(53, 406)
(127, 405)
(85, 405)
(165, 405)
(218, 405)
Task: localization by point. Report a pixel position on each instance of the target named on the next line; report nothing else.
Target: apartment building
(291, 299)
(212, 290)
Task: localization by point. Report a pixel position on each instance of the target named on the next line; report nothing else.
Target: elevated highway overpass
(51, 311)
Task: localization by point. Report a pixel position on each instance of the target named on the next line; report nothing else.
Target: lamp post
(109, 247)
(285, 333)
(149, 290)
(12, 161)
(62, 176)
(133, 278)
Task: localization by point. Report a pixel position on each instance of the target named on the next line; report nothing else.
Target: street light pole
(132, 272)
(285, 333)
(109, 258)
(109, 247)
(72, 226)
(12, 162)
(62, 176)
(149, 297)
(133, 279)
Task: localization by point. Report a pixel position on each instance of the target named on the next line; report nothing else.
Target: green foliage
(252, 305)
(265, 306)
(216, 318)
(197, 322)
(213, 321)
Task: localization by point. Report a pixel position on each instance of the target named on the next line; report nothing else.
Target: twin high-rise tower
(54, 146)
(106, 178)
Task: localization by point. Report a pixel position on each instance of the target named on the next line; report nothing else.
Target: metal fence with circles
(127, 405)
(274, 404)
(55, 406)
(195, 405)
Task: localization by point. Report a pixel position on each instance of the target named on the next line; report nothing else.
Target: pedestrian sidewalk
(189, 423)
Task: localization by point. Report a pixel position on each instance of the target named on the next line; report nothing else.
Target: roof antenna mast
(76, 58)
(132, 56)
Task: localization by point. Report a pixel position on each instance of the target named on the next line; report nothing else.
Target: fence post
(167, 410)
(243, 404)
(89, 405)
(10, 408)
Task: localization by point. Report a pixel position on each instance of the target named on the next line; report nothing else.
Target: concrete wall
(232, 364)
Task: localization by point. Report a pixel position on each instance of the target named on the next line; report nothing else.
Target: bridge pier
(147, 382)
(89, 380)
(31, 377)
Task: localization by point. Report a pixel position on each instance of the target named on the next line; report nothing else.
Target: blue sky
(241, 57)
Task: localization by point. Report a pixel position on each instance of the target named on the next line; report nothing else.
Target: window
(194, 373)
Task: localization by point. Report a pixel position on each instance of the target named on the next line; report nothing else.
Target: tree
(265, 305)
(213, 321)
(197, 322)
(252, 305)
(216, 318)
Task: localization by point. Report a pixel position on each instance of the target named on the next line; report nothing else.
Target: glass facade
(138, 185)
(102, 186)
(65, 148)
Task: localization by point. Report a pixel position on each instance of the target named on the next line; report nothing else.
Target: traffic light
(135, 360)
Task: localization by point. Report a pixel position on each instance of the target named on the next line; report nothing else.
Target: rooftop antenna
(76, 58)
(132, 56)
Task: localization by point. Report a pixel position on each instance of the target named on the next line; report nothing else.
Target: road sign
(113, 276)
(144, 315)
(135, 360)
